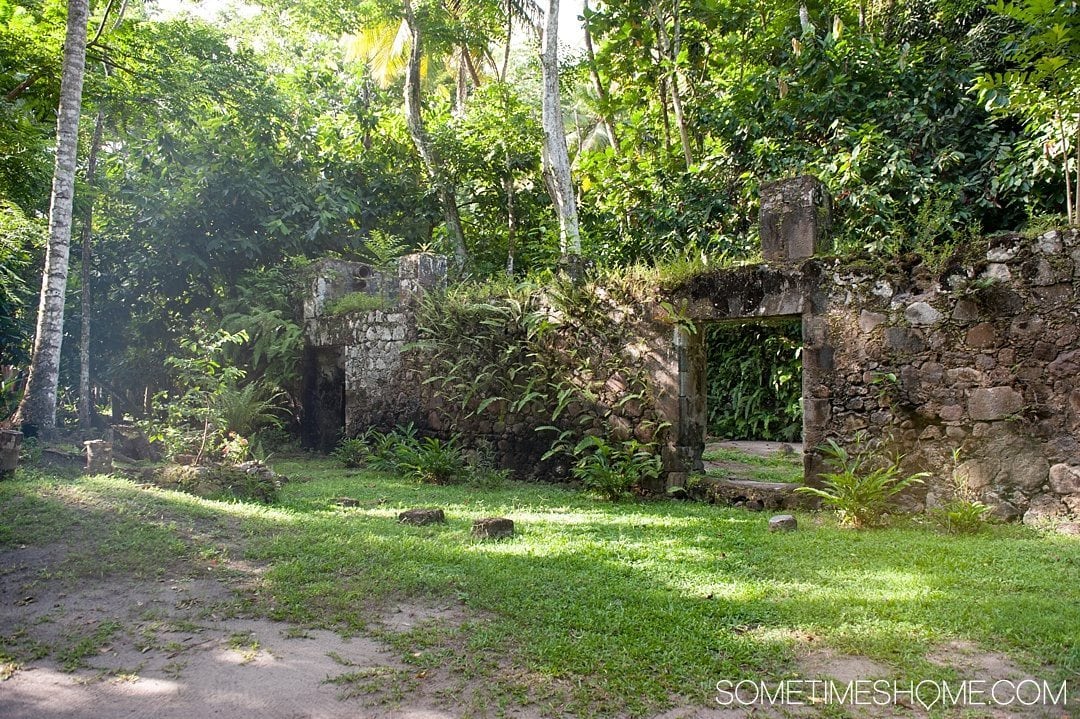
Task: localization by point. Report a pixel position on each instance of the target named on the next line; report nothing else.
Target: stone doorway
(323, 422)
(753, 377)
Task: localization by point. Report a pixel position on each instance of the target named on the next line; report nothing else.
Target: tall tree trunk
(601, 89)
(1065, 163)
(511, 219)
(669, 51)
(428, 156)
(37, 411)
(661, 91)
(84, 269)
(509, 37)
(556, 156)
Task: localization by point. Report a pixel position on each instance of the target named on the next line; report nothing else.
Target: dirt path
(181, 647)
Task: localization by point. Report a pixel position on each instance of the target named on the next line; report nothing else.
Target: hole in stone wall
(753, 402)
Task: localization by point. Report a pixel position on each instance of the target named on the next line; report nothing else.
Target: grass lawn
(774, 468)
(592, 607)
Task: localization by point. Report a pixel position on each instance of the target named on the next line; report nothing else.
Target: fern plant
(352, 453)
(383, 249)
(614, 470)
(434, 461)
(243, 410)
(861, 485)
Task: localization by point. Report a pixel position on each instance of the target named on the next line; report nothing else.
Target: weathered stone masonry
(972, 372)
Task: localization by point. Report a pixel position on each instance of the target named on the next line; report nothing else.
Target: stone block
(1065, 479)
(1002, 253)
(1043, 510)
(493, 528)
(869, 321)
(965, 311)
(951, 413)
(994, 403)
(98, 457)
(982, 336)
(902, 339)
(783, 523)
(1050, 243)
(795, 215)
(1065, 366)
(422, 517)
(922, 314)
(10, 442)
(817, 411)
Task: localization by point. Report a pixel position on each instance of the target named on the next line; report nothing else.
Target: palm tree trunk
(87, 231)
(37, 411)
(556, 156)
(447, 196)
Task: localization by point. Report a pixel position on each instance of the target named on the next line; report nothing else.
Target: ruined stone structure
(972, 371)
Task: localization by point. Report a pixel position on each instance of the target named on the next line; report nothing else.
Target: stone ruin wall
(365, 361)
(972, 373)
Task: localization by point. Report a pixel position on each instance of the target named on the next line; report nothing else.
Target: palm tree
(383, 49)
(37, 411)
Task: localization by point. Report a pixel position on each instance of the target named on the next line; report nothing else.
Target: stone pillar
(419, 273)
(98, 457)
(795, 216)
(10, 441)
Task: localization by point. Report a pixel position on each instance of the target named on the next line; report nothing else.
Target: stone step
(747, 493)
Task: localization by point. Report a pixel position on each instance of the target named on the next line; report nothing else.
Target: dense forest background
(231, 154)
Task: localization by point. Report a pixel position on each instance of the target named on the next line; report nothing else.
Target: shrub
(352, 452)
(433, 461)
(861, 484)
(481, 469)
(960, 516)
(244, 410)
(614, 471)
(964, 513)
(390, 449)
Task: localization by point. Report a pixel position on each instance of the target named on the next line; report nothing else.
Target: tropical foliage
(929, 121)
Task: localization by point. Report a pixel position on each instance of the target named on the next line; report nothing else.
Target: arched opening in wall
(753, 400)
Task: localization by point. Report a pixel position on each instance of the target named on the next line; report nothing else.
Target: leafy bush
(245, 410)
(960, 516)
(963, 513)
(390, 449)
(754, 376)
(861, 484)
(352, 452)
(433, 461)
(614, 471)
(482, 470)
